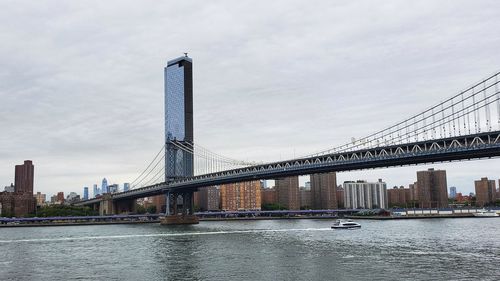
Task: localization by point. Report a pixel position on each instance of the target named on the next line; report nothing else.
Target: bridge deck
(475, 146)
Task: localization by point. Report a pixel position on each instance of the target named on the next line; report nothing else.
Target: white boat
(345, 224)
(485, 213)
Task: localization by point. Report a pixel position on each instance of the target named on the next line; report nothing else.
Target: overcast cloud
(81, 82)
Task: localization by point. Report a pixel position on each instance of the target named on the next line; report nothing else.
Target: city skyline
(96, 108)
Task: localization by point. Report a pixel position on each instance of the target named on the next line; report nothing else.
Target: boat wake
(178, 234)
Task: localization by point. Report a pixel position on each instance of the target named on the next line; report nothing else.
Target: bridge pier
(106, 206)
(179, 208)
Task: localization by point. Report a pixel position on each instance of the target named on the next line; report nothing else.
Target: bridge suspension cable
(205, 162)
(151, 170)
(142, 175)
(467, 112)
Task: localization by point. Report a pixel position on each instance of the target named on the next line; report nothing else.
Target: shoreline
(466, 215)
(158, 221)
(428, 216)
(75, 223)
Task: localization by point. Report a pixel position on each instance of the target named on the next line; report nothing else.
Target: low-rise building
(40, 198)
(399, 197)
(10, 188)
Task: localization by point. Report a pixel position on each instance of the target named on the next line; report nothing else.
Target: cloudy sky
(81, 82)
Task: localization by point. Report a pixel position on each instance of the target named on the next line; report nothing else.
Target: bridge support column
(183, 214)
(106, 207)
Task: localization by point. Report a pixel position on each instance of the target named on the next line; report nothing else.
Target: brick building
(287, 192)
(208, 198)
(485, 192)
(60, 197)
(269, 195)
(432, 189)
(324, 191)
(21, 201)
(305, 198)
(340, 197)
(240, 196)
(160, 202)
(399, 197)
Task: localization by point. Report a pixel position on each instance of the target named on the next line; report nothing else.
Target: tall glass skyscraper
(178, 117)
(96, 190)
(104, 186)
(85, 193)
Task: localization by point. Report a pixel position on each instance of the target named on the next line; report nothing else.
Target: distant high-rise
(104, 186)
(60, 197)
(307, 185)
(485, 192)
(113, 188)
(268, 195)
(340, 197)
(209, 198)
(18, 199)
(178, 118)
(287, 192)
(413, 192)
(399, 197)
(10, 188)
(24, 178)
(324, 191)
(96, 190)
(453, 192)
(365, 195)
(432, 189)
(498, 190)
(126, 186)
(40, 198)
(85, 193)
(240, 196)
(305, 198)
(72, 198)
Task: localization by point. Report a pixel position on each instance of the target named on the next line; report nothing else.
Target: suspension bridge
(465, 126)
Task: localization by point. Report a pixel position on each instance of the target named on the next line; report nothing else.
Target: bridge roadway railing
(482, 145)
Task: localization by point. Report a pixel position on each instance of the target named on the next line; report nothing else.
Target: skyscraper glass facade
(85, 193)
(96, 190)
(178, 118)
(104, 186)
(174, 103)
(453, 192)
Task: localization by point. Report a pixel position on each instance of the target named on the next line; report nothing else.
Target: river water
(428, 249)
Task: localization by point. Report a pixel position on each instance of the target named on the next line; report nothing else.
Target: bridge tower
(179, 129)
